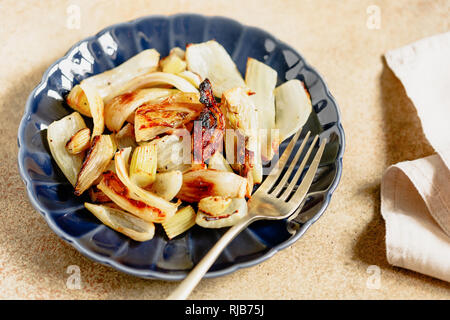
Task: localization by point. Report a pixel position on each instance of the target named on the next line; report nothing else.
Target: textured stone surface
(331, 260)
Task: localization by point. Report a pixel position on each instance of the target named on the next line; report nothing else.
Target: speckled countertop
(333, 257)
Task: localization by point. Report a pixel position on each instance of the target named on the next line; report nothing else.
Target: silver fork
(275, 199)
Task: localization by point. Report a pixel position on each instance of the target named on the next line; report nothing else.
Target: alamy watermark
(239, 148)
(73, 20)
(73, 282)
(373, 21)
(373, 282)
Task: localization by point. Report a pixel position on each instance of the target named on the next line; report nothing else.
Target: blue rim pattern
(35, 165)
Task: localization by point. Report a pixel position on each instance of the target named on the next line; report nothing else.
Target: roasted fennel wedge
(77, 100)
(118, 109)
(167, 184)
(121, 160)
(79, 142)
(123, 222)
(178, 52)
(96, 108)
(115, 190)
(218, 162)
(214, 206)
(261, 80)
(98, 196)
(157, 79)
(96, 161)
(293, 106)
(198, 184)
(143, 165)
(109, 82)
(182, 221)
(230, 216)
(152, 119)
(174, 62)
(241, 115)
(193, 78)
(58, 134)
(173, 153)
(211, 61)
(125, 137)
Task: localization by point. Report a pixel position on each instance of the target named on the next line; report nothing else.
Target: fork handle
(194, 277)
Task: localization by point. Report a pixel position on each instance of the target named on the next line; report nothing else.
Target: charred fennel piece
(241, 115)
(208, 135)
(96, 161)
(79, 142)
(152, 119)
(198, 184)
(115, 190)
(118, 109)
(98, 196)
(121, 160)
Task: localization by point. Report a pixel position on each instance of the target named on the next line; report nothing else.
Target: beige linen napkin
(415, 195)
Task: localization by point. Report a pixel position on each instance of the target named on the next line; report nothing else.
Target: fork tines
(279, 184)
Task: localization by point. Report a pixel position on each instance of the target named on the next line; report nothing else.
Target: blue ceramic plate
(160, 258)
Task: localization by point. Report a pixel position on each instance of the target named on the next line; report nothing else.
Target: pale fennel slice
(229, 217)
(261, 80)
(182, 221)
(167, 184)
(58, 134)
(211, 61)
(123, 222)
(293, 107)
(109, 82)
